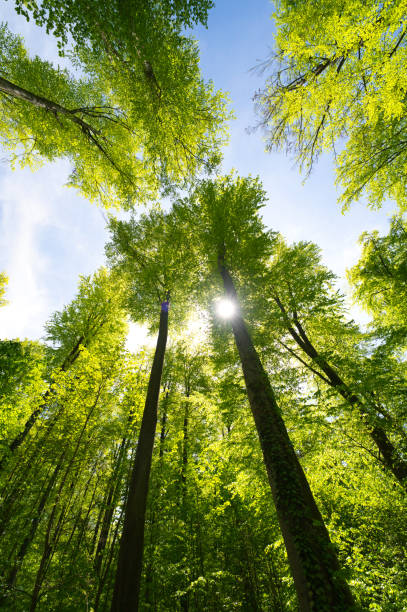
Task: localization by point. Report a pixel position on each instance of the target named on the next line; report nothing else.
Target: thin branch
(307, 365)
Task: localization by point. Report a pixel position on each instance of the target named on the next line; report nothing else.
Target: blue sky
(49, 235)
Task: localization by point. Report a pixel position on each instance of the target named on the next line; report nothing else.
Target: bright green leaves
(22, 369)
(3, 286)
(297, 275)
(339, 73)
(380, 281)
(89, 21)
(140, 121)
(47, 114)
(95, 319)
(152, 254)
(224, 214)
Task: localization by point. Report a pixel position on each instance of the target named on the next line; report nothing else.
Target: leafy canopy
(339, 80)
(140, 119)
(152, 254)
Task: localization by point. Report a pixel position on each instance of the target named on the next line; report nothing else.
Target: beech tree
(305, 315)
(212, 537)
(51, 487)
(154, 261)
(131, 126)
(234, 242)
(94, 317)
(337, 80)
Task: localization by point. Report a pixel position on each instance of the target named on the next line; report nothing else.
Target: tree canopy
(130, 126)
(256, 458)
(337, 84)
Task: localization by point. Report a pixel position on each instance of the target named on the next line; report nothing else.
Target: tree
(94, 317)
(56, 490)
(338, 80)
(150, 254)
(233, 241)
(22, 370)
(305, 315)
(379, 282)
(127, 135)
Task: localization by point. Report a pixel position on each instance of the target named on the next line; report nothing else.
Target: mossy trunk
(311, 555)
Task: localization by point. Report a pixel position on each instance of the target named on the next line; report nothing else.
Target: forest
(251, 454)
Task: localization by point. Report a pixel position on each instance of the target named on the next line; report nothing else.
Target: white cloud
(48, 236)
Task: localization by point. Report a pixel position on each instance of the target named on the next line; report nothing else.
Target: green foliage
(84, 21)
(128, 129)
(379, 281)
(22, 370)
(95, 318)
(223, 216)
(3, 285)
(151, 254)
(338, 79)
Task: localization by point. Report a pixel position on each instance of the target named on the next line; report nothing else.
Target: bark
(128, 575)
(311, 555)
(163, 430)
(149, 597)
(390, 457)
(108, 563)
(184, 464)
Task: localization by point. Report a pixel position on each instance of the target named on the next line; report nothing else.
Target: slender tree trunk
(111, 503)
(150, 594)
(184, 599)
(311, 555)
(128, 575)
(390, 456)
(184, 464)
(108, 563)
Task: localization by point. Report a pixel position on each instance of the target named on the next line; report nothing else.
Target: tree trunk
(184, 464)
(111, 503)
(128, 575)
(311, 555)
(390, 457)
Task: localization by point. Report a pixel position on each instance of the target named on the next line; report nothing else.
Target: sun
(225, 308)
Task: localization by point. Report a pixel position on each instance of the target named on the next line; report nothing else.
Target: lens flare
(225, 308)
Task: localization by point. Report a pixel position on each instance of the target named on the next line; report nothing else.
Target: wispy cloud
(48, 236)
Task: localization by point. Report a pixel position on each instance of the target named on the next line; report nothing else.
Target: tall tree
(304, 314)
(151, 256)
(95, 316)
(233, 241)
(338, 79)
